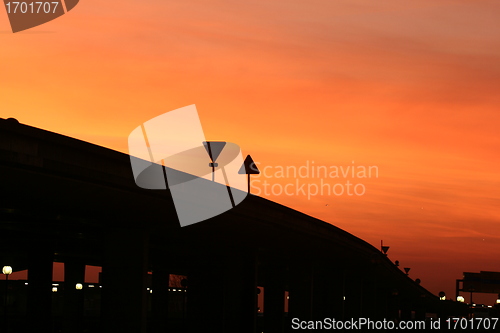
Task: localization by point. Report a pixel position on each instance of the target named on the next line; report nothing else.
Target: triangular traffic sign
(214, 148)
(249, 167)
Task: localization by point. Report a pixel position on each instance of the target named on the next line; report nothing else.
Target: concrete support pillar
(320, 294)
(382, 303)
(124, 276)
(336, 288)
(300, 282)
(420, 309)
(327, 293)
(393, 305)
(353, 293)
(240, 296)
(205, 303)
(405, 309)
(372, 305)
(39, 307)
(74, 272)
(160, 300)
(274, 299)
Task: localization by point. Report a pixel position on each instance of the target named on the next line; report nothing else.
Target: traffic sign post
(249, 168)
(214, 148)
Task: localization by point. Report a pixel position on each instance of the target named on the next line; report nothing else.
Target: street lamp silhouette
(7, 270)
(407, 270)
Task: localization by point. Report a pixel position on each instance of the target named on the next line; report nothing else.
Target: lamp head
(7, 270)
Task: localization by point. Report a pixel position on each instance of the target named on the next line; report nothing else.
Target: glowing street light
(460, 299)
(79, 286)
(7, 270)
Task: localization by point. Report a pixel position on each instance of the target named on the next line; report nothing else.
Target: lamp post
(7, 270)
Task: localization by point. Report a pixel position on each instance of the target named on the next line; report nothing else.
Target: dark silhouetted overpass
(64, 200)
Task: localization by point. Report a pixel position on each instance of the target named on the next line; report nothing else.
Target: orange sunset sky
(411, 87)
